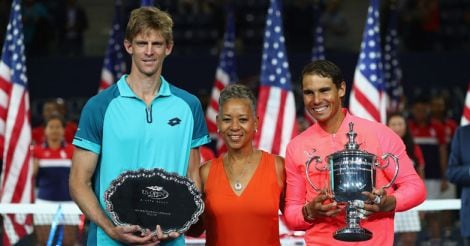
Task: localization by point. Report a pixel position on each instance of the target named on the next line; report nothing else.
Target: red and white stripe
(222, 79)
(367, 101)
(15, 132)
(107, 79)
(277, 124)
(466, 109)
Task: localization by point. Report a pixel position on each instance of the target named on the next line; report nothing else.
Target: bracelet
(305, 213)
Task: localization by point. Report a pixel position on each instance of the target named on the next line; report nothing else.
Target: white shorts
(47, 218)
(407, 221)
(433, 190)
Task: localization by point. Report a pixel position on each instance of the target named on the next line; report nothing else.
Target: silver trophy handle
(397, 167)
(307, 166)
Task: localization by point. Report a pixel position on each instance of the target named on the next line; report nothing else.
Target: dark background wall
(79, 77)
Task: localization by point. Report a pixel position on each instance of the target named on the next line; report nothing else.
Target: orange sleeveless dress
(249, 219)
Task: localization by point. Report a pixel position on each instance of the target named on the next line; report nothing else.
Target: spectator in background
(70, 125)
(52, 159)
(458, 172)
(431, 138)
(37, 27)
(407, 223)
(439, 112)
(73, 23)
(50, 107)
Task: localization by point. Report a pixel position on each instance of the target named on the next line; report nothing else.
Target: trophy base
(352, 234)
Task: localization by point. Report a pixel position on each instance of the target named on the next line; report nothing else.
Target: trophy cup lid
(351, 147)
(352, 144)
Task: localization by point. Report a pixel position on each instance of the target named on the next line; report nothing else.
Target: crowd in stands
(50, 27)
(58, 27)
(424, 25)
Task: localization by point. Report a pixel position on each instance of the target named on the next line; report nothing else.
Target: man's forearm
(193, 167)
(86, 200)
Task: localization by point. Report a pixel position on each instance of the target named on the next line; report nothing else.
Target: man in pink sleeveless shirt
(316, 212)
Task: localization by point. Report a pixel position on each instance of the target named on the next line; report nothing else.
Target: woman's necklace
(238, 186)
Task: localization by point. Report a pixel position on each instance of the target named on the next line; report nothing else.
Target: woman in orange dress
(243, 188)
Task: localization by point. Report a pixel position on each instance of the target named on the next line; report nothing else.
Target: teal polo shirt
(129, 135)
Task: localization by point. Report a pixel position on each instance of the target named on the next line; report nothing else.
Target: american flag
(318, 50)
(114, 63)
(224, 75)
(146, 3)
(15, 129)
(466, 109)
(276, 105)
(367, 98)
(392, 70)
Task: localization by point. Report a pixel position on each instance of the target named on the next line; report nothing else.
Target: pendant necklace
(238, 186)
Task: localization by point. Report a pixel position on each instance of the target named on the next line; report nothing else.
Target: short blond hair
(148, 18)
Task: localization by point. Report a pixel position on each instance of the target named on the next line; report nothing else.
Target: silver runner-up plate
(151, 197)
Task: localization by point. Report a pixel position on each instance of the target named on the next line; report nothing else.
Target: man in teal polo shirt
(142, 121)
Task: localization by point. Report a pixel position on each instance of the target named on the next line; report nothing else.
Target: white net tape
(18, 208)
